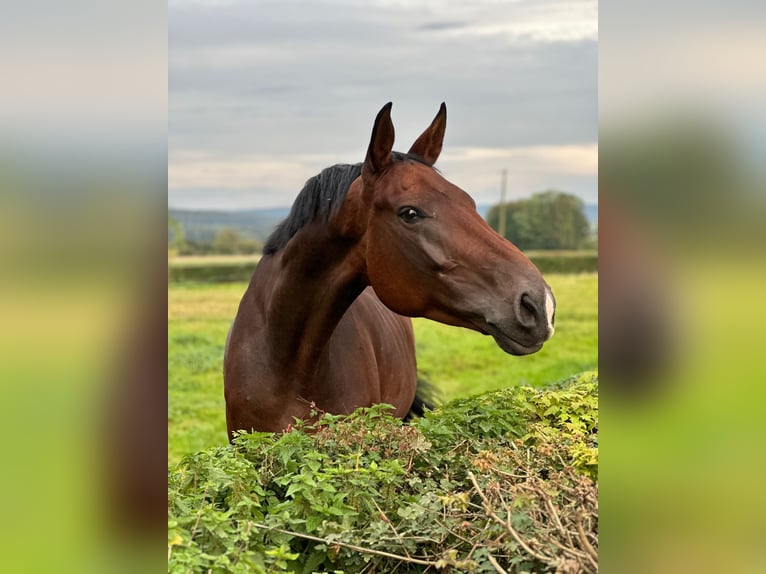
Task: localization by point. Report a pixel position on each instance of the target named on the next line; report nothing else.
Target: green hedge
(212, 273)
(223, 272)
(504, 480)
(565, 261)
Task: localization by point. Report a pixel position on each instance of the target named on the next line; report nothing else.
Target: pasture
(460, 363)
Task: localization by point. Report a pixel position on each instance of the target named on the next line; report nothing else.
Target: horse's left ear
(381, 143)
(429, 144)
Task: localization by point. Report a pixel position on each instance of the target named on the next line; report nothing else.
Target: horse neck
(316, 278)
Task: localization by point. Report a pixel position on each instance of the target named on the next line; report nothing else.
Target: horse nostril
(528, 312)
(526, 301)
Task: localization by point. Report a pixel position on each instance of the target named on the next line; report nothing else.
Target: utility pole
(503, 179)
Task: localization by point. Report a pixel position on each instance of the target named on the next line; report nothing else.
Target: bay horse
(325, 320)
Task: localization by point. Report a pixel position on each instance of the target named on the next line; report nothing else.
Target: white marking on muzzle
(550, 308)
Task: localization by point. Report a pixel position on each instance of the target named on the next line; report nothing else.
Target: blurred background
(83, 167)
(682, 182)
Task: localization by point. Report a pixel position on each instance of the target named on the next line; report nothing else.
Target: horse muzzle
(510, 345)
(524, 327)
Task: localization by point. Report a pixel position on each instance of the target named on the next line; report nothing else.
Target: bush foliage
(505, 481)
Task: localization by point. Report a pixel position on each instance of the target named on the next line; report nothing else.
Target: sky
(263, 95)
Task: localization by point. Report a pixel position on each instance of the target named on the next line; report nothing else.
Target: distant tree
(228, 241)
(248, 246)
(176, 235)
(547, 220)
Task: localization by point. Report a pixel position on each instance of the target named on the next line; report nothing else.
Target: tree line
(227, 241)
(550, 220)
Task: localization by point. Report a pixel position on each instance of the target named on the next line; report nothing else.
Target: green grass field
(459, 362)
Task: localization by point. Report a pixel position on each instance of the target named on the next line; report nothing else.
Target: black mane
(321, 196)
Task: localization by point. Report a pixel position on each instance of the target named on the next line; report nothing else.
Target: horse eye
(409, 214)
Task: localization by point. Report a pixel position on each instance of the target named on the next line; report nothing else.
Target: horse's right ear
(381, 143)
(429, 145)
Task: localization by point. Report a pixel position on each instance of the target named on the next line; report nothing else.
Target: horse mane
(320, 197)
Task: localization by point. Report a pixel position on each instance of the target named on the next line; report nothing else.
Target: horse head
(430, 254)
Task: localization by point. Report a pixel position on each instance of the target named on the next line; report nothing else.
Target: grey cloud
(438, 26)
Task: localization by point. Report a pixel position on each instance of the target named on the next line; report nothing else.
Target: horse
(324, 325)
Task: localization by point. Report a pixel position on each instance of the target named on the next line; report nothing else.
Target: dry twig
(507, 523)
(592, 554)
(349, 546)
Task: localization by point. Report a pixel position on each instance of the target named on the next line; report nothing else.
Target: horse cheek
(392, 284)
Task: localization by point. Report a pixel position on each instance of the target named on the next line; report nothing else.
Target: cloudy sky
(264, 94)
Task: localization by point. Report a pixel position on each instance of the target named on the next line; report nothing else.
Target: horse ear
(429, 144)
(381, 143)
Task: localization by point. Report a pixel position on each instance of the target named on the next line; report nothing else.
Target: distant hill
(201, 226)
